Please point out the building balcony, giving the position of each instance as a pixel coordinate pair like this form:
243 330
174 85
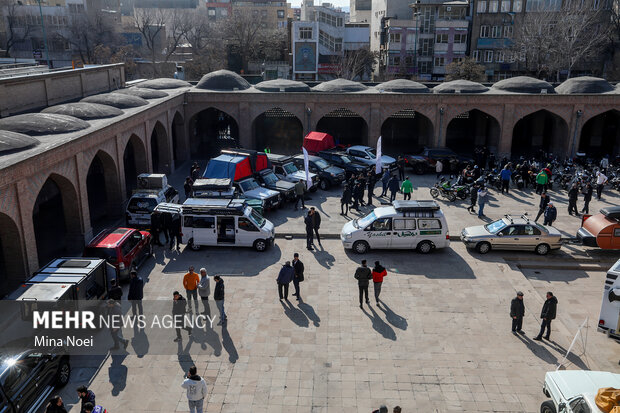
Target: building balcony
487 43
452 23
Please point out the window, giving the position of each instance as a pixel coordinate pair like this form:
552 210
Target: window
394 37
441 38
460 38
409 60
401 224
246 225
263 14
476 55
396 61
129 245
531 230
224 12
507 32
496 31
429 224
305 32
333 44
457 59
204 222
280 14
512 57
493 6
499 56
488 56
517 6
381 224
211 11
616 232
505 8
484 31
482 6
425 67
440 61
410 38
330 19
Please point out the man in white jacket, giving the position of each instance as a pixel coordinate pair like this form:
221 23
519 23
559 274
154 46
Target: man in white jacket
196 388
204 290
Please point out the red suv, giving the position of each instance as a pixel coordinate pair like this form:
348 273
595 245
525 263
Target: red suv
125 248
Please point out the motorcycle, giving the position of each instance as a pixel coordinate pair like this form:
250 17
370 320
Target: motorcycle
443 188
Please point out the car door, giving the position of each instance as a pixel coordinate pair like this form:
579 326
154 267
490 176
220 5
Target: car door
404 233
20 381
246 231
204 229
508 238
379 233
529 237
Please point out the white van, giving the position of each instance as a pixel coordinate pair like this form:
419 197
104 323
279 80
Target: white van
221 222
404 225
609 319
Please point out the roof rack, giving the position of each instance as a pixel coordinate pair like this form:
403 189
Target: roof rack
416 206
509 218
526 218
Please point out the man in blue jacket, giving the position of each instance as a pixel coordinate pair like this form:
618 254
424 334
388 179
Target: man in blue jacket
505 176
287 272
136 293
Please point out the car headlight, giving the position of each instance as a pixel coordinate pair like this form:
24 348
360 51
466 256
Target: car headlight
348 236
332 174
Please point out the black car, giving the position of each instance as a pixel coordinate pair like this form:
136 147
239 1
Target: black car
269 180
426 160
28 379
328 174
344 161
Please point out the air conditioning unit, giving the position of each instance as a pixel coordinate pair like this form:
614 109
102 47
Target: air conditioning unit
152 181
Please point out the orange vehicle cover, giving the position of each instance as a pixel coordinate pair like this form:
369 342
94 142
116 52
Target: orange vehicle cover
603 229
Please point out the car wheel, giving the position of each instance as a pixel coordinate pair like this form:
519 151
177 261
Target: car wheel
63 374
547 407
483 247
542 249
451 197
434 192
425 247
260 245
419 169
361 247
324 184
193 246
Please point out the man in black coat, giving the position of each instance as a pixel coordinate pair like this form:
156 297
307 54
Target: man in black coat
298 266
156 224
363 275
174 232
517 312
316 223
309 231
371 186
116 292
542 205
573 194
136 293
547 314
178 313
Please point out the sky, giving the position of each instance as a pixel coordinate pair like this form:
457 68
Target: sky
337 3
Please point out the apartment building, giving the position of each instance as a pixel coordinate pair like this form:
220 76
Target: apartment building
272 14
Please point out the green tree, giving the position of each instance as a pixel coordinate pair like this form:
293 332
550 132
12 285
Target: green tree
466 69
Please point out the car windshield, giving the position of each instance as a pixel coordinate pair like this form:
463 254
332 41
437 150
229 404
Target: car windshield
371 152
321 164
248 185
345 159
270 178
290 168
495 226
141 205
103 253
365 221
257 218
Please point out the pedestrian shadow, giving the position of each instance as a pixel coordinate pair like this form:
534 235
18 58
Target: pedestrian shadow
183 357
308 310
117 374
538 350
379 325
228 345
296 315
140 342
393 318
324 258
571 358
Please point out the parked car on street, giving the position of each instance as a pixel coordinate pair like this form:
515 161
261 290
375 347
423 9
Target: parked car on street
426 160
146 198
510 233
575 391
343 160
329 175
368 156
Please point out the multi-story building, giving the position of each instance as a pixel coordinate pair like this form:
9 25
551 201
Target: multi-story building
218 10
360 11
272 14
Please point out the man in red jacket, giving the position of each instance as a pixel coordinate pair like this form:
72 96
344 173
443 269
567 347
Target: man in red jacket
377 277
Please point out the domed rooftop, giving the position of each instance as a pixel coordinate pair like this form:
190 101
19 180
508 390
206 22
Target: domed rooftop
42 124
84 111
223 80
585 84
339 86
164 83
12 141
118 100
523 84
142 92
282 85
460 86
402 86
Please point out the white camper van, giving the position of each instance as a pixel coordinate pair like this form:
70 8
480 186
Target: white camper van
609 320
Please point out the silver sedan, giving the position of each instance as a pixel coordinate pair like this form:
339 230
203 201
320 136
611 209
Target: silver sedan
508 234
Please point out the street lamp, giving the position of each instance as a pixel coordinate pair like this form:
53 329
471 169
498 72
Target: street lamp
416 15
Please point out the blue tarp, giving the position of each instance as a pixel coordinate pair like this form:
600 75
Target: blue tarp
228 166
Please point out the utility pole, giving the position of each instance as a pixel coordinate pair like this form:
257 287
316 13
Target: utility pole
47 54
416 15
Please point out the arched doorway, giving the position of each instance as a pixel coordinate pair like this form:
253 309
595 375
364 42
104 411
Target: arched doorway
178 138
540 132
56 220
279 130
346 126
211 131
473 129
134 161
12 270
406 131
160 150
103 190
600 135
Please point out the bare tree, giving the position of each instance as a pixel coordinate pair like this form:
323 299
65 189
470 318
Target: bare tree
533 43
466 69
355 64
16 29
86 31
245 35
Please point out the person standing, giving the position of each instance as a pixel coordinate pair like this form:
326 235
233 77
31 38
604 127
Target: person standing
547 314
298 266
115 313
136 293
174 232
483 196
156 225
401 167
505 176
541 181
362 181
179 307
573 194
394 187
473 197
371 186
316 224
85 396
358 194
439 168
218 297
345 199
551 213
601 180
517 312
187 187
204 290
286 275
196 388
542 205
587 197
407 188
55 405
377 278
300 189
190 283
604 164
363 275
385 178
116 292
309 231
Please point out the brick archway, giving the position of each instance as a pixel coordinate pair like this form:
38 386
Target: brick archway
471 129
161 158
134 162
279 130
103 188
540 131
210 130
406 131
346 126
600 134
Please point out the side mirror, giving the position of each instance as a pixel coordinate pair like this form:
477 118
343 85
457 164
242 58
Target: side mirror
367 156
499 234
562 407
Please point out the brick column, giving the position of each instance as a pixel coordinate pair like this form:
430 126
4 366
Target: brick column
505 139
26 201
81 170
246 139
574 130
374 125
120 162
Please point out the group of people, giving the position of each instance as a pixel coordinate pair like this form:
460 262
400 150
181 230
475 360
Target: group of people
170 226
87 403
354 189
363 275
547 314
290 272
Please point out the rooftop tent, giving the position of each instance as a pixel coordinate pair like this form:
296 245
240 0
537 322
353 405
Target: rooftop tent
229 166
318 141
258 160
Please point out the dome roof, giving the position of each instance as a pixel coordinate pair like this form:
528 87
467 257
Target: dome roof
12 141
339 86
523 84
164 83
223 80
84 111
460 86
42 124
142 92
282 85
585 84
402 86
118 100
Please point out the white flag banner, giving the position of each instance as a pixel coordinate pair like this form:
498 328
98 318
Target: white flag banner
306 168
378 160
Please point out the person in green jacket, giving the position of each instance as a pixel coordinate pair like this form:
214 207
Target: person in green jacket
541 182
407 188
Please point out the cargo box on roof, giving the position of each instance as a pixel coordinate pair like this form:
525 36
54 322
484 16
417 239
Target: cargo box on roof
233 167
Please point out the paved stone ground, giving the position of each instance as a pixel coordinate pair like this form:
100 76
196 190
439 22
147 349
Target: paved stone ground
439 341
